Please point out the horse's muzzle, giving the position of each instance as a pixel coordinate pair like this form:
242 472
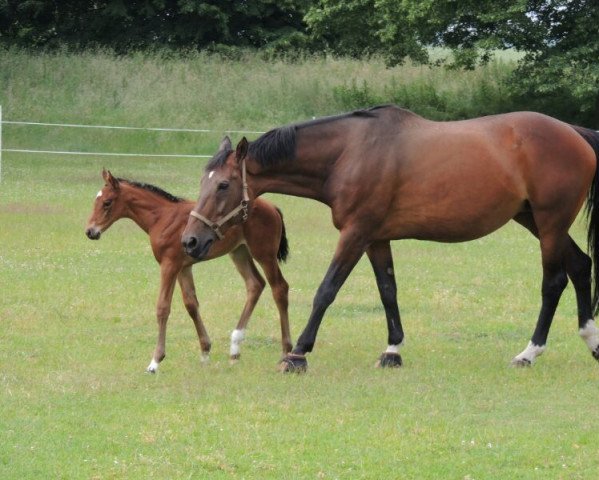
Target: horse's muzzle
195 246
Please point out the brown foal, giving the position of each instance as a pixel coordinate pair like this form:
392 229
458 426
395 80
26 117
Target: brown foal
164 217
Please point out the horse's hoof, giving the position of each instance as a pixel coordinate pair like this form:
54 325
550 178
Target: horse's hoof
150 370
521 362
389 360
595 354
293 363
204 359
234 359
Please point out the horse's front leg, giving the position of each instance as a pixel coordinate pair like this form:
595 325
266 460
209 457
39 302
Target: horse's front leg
349 250
168 275
379 254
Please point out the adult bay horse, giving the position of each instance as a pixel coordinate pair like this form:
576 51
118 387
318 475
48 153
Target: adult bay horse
163 217
387 173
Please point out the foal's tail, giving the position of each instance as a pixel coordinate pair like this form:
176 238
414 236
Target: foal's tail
592 212
283 244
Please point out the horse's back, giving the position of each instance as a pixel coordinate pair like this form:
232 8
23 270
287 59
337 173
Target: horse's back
460 180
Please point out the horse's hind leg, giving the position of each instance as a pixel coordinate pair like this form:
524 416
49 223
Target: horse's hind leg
192 306
579 266
379 254
254 285
555 248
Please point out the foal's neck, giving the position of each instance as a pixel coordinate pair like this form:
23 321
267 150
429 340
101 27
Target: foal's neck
144 207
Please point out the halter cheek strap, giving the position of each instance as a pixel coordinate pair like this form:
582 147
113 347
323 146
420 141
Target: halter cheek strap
242 207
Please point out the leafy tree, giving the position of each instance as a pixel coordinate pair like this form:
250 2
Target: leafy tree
559 71
141 24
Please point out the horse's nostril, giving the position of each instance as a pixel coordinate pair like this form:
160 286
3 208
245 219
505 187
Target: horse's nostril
190 243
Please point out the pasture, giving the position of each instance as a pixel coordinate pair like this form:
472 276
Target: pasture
77 324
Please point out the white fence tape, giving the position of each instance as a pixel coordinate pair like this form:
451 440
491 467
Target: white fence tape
113 127
110 127
108 154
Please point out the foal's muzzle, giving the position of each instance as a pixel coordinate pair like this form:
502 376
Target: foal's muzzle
93 233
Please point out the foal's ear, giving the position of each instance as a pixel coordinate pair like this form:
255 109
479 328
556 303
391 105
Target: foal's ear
242 149
109 179
225 145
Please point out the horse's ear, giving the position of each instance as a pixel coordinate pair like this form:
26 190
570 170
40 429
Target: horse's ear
225 145
110 180
242 149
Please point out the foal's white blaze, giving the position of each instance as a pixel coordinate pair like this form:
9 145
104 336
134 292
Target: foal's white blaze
99 194
153 366
237 337
590 334
529 354
210 174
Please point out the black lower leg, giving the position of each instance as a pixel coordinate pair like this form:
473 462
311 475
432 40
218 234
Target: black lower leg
553 286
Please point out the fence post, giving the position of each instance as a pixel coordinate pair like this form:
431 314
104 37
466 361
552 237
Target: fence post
0 143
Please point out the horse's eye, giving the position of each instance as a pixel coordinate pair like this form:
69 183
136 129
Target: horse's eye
107 203
223 185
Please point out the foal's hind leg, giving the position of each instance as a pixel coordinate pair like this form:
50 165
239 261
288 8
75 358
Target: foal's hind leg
192 306
254 285
381 260
280 293
555 249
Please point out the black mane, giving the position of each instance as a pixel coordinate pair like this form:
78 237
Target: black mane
278 145
153 189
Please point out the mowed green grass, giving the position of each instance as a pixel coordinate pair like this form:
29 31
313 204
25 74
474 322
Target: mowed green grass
77 329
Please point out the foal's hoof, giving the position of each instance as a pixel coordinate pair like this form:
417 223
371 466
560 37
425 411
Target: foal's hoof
389 360
150 370
293 363
520 362
234 359
595 354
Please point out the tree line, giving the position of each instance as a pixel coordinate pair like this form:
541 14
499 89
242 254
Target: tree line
559 39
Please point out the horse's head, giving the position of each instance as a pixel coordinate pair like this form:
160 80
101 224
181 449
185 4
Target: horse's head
223 200
107 207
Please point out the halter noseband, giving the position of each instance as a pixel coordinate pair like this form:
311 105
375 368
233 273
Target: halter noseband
242 207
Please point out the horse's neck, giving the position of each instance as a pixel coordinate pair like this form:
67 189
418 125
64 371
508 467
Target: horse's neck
144 208
305 175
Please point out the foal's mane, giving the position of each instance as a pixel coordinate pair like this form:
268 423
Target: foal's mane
153 189
278 145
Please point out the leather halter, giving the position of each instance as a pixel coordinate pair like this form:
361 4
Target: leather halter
242 207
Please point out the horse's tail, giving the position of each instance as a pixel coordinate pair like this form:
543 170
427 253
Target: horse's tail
283 244
592 213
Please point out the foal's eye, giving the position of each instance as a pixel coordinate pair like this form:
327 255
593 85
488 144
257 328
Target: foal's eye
107 203
223 185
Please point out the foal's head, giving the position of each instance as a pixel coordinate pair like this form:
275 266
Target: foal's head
107 207
223 200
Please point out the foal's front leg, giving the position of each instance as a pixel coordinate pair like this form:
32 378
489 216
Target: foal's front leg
168 275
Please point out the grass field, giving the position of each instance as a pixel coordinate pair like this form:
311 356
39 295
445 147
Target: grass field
77 325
